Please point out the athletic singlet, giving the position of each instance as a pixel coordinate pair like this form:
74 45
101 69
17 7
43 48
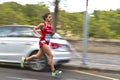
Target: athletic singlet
46 32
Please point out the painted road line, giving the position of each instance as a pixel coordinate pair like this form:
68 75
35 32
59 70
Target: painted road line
18 78
101 76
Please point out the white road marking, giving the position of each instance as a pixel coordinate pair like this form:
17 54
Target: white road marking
18 78
96 75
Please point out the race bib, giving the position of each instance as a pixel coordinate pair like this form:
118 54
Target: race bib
48 37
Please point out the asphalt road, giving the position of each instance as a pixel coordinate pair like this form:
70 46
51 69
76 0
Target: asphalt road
16 73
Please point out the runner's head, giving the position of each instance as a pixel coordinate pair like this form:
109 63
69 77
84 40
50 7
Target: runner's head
47 17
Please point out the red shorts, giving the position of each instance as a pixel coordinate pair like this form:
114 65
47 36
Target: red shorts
41 42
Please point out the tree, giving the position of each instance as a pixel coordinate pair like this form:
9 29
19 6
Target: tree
34 12
10 14
102 25
56 10
70 23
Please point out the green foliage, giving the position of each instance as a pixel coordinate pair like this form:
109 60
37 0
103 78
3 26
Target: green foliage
102 24
9 15
34 12
14 13
105 24
71 23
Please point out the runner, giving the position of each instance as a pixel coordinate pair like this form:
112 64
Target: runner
46 31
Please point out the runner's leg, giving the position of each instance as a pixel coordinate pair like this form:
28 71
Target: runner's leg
46 49
34 56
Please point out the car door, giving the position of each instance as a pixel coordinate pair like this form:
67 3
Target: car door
16 44
4 42
22 41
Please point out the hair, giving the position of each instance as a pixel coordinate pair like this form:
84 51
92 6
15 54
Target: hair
45 15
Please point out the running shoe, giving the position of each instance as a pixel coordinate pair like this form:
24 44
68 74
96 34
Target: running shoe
56 73
22 62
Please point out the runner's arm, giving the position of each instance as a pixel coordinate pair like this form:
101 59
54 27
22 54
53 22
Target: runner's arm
39 26
53 32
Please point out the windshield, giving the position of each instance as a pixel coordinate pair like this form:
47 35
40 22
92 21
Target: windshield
56 36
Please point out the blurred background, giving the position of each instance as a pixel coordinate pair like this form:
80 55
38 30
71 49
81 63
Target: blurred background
87 31
104 17
103 20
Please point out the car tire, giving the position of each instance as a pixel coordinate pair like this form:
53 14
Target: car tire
38 64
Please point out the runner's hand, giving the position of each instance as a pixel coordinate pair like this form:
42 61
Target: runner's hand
39 36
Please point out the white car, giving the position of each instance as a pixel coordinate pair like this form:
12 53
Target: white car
19 40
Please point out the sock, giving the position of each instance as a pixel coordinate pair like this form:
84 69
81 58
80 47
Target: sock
53 70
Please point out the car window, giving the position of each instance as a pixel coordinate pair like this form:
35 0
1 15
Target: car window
23 28
21 32
5 31
24 32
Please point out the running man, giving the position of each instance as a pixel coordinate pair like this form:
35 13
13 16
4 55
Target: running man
46 30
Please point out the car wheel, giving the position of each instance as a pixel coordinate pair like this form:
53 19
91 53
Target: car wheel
39 64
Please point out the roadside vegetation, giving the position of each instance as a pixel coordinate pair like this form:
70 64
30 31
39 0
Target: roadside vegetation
102 24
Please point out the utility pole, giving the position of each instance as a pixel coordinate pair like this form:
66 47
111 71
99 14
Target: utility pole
56 10
85 35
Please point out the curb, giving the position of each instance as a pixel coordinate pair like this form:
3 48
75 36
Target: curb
95 66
